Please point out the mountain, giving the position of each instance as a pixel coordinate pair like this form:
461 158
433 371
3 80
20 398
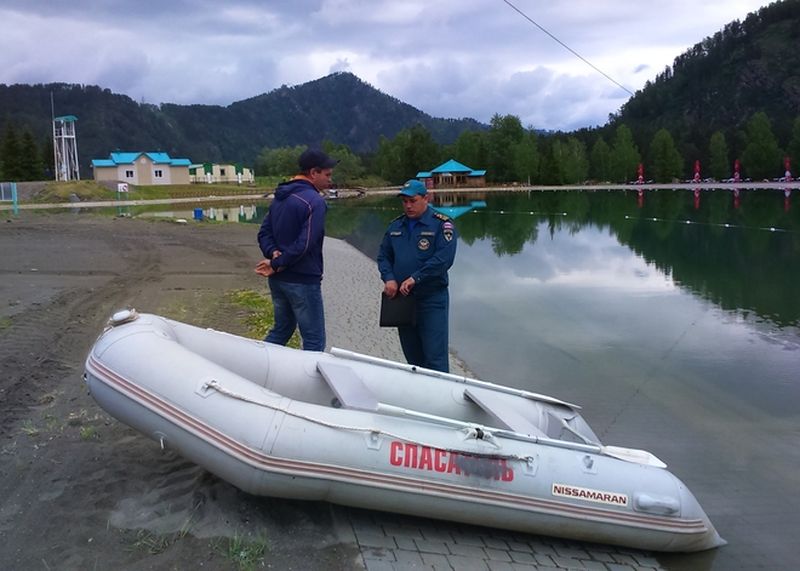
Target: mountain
339 107
718 84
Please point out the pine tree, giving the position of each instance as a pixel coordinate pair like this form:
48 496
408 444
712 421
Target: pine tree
48 158
576 164
625 157
387 161
418 151
665 161
719 165
11 155
761 158
349 168
505 132
30 163
600 160
280 162
794 148
470 149
526 159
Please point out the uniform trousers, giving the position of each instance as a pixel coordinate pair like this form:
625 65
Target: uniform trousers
426 344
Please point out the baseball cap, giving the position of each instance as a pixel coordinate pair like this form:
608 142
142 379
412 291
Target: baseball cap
413 187
314 159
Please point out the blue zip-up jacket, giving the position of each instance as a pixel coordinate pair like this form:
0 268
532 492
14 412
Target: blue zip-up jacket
295 225
424 250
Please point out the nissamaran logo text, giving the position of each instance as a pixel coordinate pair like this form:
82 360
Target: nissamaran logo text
599 496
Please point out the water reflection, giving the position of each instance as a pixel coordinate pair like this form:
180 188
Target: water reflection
735 248
237 213
457 210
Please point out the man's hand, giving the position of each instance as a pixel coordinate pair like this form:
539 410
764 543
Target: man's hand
264 268
407 286
390 288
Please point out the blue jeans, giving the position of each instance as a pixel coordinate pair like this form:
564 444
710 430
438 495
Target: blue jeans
297 305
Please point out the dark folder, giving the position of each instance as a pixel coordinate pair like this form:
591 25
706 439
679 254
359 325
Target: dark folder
398 310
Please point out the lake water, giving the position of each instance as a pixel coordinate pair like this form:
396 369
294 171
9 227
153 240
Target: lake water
672 317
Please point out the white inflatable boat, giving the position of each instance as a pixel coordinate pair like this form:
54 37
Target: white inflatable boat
366 432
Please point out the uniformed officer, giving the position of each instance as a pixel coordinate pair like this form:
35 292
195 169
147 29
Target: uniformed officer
417 250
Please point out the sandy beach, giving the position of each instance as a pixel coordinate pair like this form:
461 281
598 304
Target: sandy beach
79 490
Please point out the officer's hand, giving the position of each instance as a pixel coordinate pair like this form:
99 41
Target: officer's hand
390 288
406 286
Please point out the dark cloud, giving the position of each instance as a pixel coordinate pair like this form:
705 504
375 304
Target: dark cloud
466 58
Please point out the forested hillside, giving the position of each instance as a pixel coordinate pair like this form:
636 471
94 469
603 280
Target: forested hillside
340 108
721 82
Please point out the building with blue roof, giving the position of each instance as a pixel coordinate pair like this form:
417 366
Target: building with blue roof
142 168
452 174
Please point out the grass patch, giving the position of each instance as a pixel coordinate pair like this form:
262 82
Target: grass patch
205 308
245 554
89 433
154 543
52 424
90 190
142 192
48 398
5 323
260 314
77 418
87 425
29 428
269 182
48 424
83 189
244 312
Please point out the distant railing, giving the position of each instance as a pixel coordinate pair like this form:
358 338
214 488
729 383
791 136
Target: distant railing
8 193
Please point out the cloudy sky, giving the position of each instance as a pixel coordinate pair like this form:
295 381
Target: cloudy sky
449 58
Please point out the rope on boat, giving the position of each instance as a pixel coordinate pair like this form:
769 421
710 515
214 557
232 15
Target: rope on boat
475 432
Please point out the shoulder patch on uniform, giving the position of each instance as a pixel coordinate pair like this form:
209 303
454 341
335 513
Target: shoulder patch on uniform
448 230
441 216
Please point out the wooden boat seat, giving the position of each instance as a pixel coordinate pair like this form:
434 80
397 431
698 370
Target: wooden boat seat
498 407
347 386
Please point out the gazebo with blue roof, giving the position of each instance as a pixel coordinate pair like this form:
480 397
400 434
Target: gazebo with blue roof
452 174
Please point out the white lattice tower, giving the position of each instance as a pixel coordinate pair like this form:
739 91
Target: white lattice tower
65 148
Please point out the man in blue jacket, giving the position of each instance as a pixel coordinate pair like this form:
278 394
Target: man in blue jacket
291 240
417 250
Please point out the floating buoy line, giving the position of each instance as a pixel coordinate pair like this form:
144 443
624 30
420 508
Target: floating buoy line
719 225
476 211
627 217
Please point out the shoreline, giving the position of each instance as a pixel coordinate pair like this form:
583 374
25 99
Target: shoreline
391 191
351 288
